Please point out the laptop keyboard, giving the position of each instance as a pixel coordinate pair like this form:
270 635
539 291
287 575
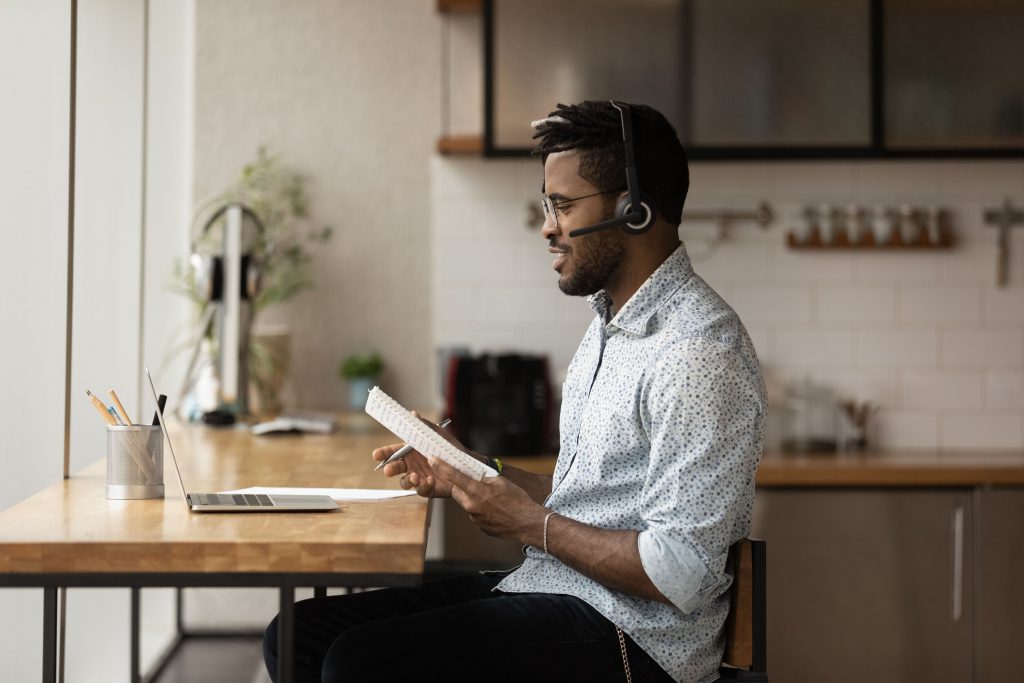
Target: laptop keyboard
240 499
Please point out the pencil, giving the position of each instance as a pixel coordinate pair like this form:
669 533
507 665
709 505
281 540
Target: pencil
120 408
100 408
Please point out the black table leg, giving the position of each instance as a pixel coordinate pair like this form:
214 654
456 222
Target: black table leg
135 676
286 636
50 634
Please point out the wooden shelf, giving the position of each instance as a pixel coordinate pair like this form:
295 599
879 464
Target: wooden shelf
460 144
843 244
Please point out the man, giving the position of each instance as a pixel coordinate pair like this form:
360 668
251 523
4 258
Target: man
661 431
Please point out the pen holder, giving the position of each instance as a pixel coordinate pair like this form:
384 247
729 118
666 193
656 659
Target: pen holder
135 462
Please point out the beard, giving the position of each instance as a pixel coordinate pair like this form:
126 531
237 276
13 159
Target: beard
594 260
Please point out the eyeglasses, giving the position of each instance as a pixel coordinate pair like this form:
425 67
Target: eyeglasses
552 208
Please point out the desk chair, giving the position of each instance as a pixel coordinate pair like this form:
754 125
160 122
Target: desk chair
744 658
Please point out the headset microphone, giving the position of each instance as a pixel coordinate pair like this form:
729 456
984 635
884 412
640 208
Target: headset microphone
631 220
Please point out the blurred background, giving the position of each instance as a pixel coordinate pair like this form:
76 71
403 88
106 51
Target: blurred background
857 185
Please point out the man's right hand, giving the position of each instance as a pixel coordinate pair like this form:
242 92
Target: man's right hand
415 472
414 469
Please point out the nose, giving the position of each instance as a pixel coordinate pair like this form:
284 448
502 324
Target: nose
550 227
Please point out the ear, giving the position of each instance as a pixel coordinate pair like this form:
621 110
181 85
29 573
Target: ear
623 208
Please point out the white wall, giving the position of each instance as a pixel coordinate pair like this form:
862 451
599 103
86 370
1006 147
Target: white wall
33 248
108 275
348 93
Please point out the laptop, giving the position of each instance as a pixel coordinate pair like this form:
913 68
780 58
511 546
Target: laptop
238 502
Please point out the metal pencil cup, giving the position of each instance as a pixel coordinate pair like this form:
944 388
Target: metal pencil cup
135 462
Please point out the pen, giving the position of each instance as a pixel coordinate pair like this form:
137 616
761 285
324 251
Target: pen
120 408
160 402
117 418
404 450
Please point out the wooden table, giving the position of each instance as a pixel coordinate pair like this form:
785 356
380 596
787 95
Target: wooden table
69 535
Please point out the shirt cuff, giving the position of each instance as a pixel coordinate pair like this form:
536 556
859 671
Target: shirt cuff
674 569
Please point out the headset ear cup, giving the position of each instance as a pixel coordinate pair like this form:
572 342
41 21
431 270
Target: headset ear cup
623 208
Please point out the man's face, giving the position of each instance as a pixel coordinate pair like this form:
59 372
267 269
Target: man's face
584 263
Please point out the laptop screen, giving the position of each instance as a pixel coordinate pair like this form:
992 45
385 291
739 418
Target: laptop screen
167 434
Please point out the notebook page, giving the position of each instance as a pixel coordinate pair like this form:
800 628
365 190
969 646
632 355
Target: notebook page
410 429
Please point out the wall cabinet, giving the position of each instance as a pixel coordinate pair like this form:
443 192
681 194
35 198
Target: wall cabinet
779 80
892 585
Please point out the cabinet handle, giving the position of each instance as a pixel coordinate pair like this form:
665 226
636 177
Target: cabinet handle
958 562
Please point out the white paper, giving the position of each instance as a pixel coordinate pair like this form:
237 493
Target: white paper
336 494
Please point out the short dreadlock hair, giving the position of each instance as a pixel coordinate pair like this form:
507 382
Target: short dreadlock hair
594 128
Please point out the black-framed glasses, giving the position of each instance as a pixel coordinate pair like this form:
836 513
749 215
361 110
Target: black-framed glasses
553 208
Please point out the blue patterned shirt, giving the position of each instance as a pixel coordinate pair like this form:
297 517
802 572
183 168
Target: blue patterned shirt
661 431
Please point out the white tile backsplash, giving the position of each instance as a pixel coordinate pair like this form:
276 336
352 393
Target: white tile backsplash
810 182
983 347
788 265
970 180
926 336
801 347
895 348
1004 306
855 305
890 268
896 182
907 429
1005 390
941 391
982 431
771 304
940 304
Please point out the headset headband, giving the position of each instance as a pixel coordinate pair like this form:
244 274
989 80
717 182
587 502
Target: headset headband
636 211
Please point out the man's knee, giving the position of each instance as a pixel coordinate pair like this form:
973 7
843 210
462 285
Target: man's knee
360 653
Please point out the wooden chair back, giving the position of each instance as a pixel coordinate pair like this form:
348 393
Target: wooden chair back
745 626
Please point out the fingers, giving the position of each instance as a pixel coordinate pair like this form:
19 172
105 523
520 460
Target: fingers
424 484
460 497
385 452
453 475
393 469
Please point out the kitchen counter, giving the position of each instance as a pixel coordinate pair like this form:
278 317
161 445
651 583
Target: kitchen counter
926 468
894 468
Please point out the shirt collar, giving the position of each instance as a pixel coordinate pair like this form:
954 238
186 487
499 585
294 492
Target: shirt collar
636 314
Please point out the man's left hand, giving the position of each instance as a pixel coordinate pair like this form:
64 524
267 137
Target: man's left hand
496 505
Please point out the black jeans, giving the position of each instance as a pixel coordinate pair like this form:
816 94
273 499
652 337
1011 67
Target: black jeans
456 630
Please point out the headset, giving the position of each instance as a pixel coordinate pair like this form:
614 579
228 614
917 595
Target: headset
209 268
633 221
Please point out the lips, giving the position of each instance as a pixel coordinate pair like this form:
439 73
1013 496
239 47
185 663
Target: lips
563 256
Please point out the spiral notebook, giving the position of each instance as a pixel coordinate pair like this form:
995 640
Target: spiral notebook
410 429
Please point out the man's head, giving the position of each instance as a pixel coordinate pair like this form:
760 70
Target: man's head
584 159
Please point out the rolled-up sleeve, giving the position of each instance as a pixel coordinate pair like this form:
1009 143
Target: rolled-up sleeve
703 412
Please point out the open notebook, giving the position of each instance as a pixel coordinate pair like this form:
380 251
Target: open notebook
411 429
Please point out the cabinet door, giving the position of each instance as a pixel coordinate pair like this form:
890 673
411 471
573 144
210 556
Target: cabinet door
1000 596
786 73
953 75
868 585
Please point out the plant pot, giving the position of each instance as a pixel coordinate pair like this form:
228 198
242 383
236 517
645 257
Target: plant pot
358 390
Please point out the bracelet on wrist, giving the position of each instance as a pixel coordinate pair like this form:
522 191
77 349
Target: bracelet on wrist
494 463
546 518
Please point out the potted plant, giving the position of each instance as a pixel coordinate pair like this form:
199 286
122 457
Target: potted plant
283 252
361 373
